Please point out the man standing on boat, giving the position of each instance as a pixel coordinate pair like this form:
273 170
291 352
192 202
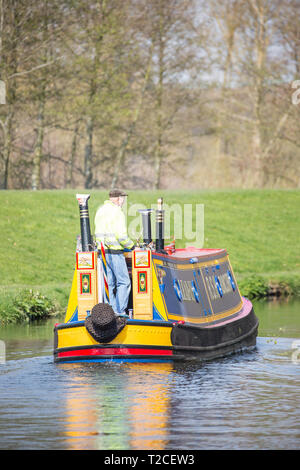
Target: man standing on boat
110 229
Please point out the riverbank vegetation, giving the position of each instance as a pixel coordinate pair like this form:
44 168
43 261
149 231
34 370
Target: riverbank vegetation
259 228
27 306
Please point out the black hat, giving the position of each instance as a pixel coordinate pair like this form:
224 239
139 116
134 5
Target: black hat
117 193
103 325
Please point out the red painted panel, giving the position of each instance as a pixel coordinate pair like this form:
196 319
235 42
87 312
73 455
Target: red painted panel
116 352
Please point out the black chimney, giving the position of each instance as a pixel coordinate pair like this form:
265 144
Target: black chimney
160 243
86 238
146 219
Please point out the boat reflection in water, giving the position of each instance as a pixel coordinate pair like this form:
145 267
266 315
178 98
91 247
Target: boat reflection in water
149 411
117 407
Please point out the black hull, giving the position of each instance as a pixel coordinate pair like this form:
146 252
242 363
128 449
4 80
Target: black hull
205 343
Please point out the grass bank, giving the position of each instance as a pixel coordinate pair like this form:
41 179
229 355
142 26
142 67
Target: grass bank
259 228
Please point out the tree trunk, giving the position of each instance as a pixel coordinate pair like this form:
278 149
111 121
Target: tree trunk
38 149
1 27
11 92
122 150
72 156
7 133
120 156
258 92
88 170
222 140
158 152
90 120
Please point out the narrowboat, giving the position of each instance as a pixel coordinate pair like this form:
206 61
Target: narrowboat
185 303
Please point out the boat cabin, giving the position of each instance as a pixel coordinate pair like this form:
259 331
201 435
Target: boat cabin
170 284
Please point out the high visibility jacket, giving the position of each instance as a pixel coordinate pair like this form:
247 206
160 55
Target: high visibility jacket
110 228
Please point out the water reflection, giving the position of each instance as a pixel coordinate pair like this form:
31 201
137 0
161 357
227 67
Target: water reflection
279 318
150 405
245 401
80 413
117 406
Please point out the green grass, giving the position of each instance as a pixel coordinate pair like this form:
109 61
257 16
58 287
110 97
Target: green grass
259 228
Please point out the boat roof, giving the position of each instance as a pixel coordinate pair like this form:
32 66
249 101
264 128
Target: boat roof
192 251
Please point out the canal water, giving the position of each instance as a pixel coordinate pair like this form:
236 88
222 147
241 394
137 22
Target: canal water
245 401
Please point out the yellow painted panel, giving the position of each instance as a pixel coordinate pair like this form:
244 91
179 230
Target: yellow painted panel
86 301
131 334
73 299
158 300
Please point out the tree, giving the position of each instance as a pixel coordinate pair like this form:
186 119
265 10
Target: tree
10 21
167 30
98 47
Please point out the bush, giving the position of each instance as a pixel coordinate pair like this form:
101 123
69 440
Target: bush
29 306
254 287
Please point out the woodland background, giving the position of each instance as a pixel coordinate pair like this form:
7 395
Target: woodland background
149 94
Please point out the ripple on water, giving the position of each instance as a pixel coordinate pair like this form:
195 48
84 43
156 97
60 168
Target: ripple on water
246 401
